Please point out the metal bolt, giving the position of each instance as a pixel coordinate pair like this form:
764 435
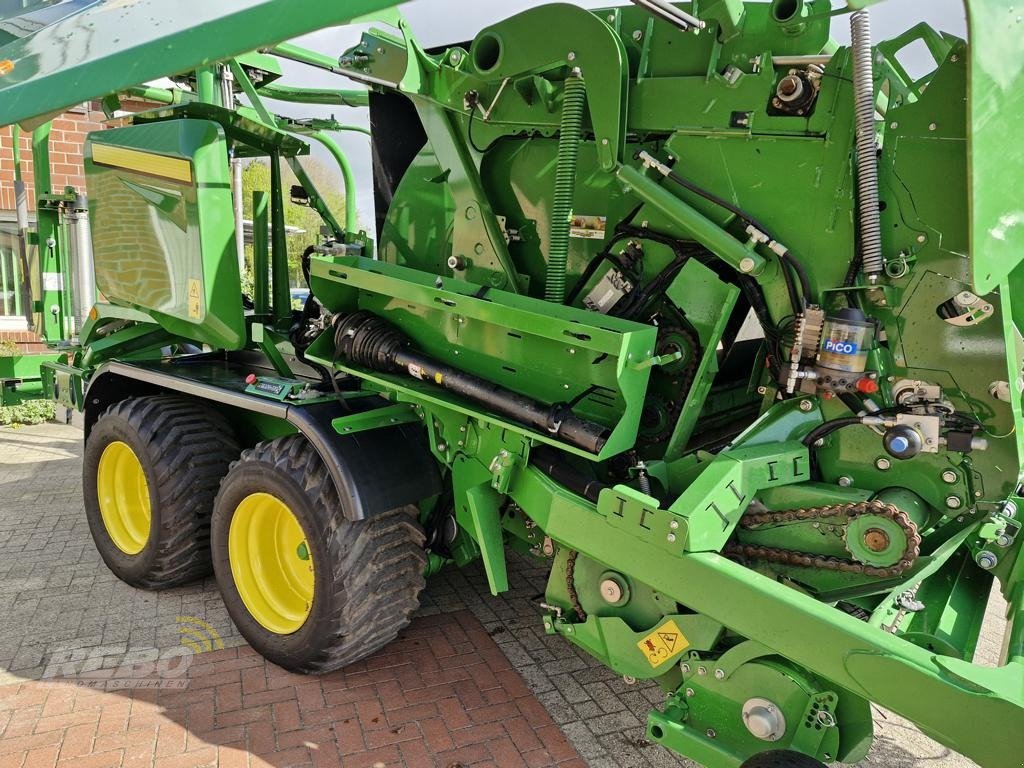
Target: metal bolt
702 671
442 447
719 674
674 525
882 464
571 56
845 481
932 126
572 351
953 502
611 591
628 680
638 35
456 57
762 390
547 624
747 265
987 560
977 494
1009 509
894 125
685 668
568 630
671 537
690 693
949 476
806 406
1004 541
922 239
462 428
711 733
954 58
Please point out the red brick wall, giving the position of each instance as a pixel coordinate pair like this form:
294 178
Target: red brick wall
66 139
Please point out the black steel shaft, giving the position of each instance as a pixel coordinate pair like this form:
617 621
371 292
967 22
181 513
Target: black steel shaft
371 341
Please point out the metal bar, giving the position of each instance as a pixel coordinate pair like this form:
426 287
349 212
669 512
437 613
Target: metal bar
296 94
206 85
348 178
699 227
3 283
260 253
41 158
280 285
302 55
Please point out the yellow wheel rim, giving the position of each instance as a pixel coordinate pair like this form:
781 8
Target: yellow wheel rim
123 497
271 563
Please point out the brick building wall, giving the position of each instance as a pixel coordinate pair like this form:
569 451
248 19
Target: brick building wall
67 137
66 140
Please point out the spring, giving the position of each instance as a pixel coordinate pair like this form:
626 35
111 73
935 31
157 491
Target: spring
867 148
565 185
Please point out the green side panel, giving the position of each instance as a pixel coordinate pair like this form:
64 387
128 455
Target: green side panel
162 227
122 44
996 104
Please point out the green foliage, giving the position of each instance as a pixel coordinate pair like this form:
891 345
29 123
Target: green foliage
256 177
28 412
9 349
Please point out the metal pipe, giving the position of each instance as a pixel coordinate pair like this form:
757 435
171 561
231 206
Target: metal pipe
83 272
820 59
206 86
281 289
157 95
671 14
348 178
227 80
302 55
260 253
344 98
372 342
692 222
866 147
21 213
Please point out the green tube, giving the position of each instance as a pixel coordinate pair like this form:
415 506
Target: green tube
692 222
41 158
347 98
16 143
158 95
260 253
346 174
302 55
207 86
565 185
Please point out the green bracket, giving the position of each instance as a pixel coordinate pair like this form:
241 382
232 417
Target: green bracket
389 416
267 341
485 525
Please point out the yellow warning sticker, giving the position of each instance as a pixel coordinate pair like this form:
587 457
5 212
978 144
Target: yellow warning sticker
195 301
663 643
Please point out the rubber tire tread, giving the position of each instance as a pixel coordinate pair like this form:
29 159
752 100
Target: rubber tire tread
371 588
185 448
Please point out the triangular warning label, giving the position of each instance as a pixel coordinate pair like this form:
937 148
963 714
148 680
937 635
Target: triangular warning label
669 639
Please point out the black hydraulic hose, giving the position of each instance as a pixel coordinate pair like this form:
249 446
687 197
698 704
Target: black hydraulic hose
372 342
826 429
788 259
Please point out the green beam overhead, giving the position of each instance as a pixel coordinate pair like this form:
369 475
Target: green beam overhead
132 44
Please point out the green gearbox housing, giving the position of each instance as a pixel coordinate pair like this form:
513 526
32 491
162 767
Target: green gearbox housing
715 318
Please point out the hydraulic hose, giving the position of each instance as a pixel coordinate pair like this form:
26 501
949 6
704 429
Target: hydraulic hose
565 185
372 342
866 147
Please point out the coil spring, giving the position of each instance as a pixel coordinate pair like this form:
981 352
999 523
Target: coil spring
565 186
867 148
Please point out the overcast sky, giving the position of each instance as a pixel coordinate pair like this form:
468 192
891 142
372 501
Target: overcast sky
440 22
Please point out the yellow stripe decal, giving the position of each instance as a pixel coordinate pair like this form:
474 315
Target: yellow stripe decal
143 162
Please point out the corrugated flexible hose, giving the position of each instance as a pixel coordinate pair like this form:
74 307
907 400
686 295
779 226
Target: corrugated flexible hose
867 147
565 186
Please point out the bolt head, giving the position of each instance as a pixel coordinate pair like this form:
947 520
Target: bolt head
747 265
671 537
571 56
442 447
719 674
1004 541
456 57
949 476
611 591
806 406
685 668
702 671
690 693
638 35
987 560
674 525
711 733
845 481
883 464
953 502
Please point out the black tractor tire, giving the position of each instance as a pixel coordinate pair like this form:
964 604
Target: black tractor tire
782 758
184 449
367 574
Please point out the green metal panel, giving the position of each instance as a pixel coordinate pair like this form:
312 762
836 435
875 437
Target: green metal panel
162 224
131 44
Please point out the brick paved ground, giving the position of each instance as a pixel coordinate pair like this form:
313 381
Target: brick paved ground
57 599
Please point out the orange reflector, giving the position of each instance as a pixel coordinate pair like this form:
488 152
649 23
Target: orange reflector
6 66
93 314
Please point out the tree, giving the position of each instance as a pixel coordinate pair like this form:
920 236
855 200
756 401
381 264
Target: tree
256 178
